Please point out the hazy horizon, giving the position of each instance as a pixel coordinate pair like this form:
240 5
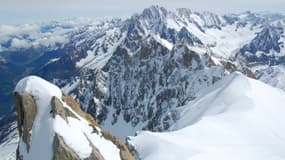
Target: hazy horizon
28 11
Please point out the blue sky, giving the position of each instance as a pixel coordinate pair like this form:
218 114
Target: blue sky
20 11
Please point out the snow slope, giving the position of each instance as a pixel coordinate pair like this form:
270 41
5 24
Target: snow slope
238 119
76 132
9 144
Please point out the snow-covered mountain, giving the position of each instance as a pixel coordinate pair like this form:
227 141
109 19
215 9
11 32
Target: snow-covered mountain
163 60
237 118
53 126
138 73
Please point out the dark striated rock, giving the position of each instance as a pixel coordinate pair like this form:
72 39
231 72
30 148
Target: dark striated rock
268 40
58 109
229 67
147 86
232 68
61 151
75 106
248 73
26 111
95 154
124 150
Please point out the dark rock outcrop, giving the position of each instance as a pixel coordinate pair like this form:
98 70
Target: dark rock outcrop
61 151
124 151
26 110
58 109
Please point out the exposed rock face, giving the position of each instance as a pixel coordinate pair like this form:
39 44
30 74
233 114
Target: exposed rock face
268 38
61 151
145 88
67 109
58 109
75 106
26 110
124 151
266 48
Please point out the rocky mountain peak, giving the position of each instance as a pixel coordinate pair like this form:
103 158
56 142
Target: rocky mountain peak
131 74
53 126
154 12
184 12
266 46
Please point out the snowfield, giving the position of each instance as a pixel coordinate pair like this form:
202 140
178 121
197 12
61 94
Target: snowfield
236 119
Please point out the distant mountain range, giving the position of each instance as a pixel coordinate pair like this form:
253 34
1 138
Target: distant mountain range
138 73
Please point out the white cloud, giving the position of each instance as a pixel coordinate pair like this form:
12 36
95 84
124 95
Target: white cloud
19 43
51 41
30 35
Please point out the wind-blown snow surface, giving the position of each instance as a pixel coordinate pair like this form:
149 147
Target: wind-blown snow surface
237 119
76 132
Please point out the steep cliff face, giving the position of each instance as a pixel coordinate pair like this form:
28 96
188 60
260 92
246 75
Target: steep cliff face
266 47
145 88
53 126
161 62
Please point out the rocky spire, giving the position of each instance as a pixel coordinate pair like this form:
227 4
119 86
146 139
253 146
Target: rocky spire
35 104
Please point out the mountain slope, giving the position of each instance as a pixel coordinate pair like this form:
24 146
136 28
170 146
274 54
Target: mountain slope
52 126
9 141
143 89
137 74
274 76
61 51
163 61
237 118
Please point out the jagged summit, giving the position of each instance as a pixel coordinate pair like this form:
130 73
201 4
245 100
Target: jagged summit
53 126
266 47
136 73
154 12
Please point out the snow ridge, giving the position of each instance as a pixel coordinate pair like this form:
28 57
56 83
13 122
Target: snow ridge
233 119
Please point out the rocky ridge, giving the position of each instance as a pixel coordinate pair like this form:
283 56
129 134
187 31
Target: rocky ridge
32 116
